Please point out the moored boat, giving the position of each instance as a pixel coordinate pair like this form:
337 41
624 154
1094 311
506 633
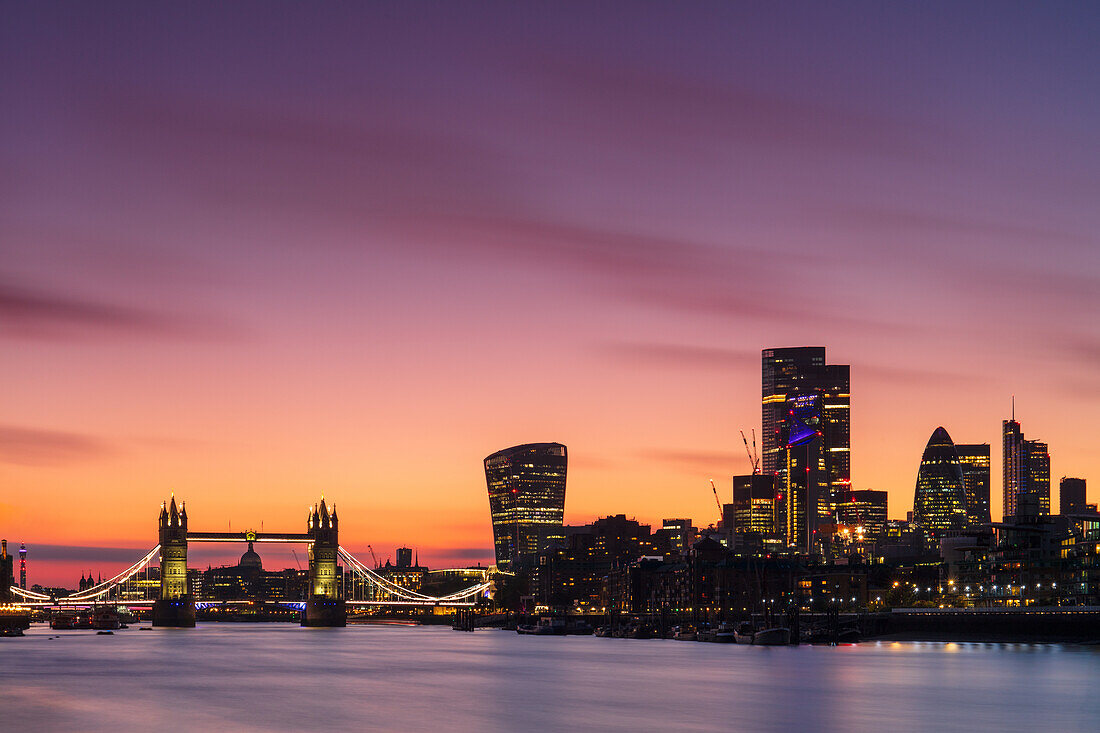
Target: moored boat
14 618
848 636
578 627
775 636
684 633
65 620
725 634
105 618
743 633
545 627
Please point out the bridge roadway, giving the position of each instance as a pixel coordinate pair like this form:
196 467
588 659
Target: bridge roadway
60 603
249 537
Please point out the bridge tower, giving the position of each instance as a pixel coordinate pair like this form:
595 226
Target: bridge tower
176 607
324 607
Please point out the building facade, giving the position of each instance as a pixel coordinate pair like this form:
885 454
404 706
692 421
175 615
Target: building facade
806 437
1038 474
526 486
865 512
1026 474
1071 496
974 462
939 502
753 517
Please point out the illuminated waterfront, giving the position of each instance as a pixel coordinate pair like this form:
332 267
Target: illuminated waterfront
280 677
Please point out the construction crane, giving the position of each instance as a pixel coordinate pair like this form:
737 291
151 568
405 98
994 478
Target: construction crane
754 458
296 560
376 564
716 499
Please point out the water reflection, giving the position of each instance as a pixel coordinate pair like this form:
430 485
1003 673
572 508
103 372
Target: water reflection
283 678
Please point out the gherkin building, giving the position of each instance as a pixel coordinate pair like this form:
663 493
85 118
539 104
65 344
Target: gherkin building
940 501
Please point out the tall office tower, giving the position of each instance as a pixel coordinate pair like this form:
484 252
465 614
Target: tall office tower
754 507
526 499
23 565
799 379
7 579
974 461
803 478
1026 477
939 503
865 509
1071 496
1038 473
404 557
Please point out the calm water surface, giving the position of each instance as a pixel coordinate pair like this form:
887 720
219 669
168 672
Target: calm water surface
278 677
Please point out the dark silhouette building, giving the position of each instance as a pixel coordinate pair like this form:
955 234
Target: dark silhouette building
526 486
974 462
939 503
573 575
806 424
248 580
1071 496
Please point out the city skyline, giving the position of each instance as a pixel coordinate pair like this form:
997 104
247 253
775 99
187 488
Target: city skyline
249 263
58 561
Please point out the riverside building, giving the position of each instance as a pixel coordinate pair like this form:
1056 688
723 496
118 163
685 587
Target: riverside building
526 486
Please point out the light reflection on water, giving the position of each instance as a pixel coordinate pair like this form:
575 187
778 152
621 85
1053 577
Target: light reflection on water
279 677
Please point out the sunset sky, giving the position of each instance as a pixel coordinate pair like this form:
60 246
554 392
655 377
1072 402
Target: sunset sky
255 252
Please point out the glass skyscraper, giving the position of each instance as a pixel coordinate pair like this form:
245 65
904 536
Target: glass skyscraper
939 503
974 461
809 452
1026 479
526 499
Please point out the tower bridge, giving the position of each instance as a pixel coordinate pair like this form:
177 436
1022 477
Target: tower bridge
326 600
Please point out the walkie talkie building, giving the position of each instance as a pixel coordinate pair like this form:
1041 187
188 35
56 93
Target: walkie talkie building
526 499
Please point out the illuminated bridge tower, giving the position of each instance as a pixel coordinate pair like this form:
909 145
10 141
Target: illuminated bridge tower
175 607
324 607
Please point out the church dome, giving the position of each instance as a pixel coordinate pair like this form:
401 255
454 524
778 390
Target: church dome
251 559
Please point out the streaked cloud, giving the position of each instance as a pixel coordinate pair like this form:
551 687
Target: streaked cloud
721 464
35 314
38 447
682 356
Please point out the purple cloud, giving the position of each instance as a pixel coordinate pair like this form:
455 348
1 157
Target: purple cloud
36 447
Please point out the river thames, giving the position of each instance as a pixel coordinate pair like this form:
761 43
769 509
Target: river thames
279 677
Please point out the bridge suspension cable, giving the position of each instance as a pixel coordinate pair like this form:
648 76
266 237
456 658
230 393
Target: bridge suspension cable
405 594
101 589
29 595
398 595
